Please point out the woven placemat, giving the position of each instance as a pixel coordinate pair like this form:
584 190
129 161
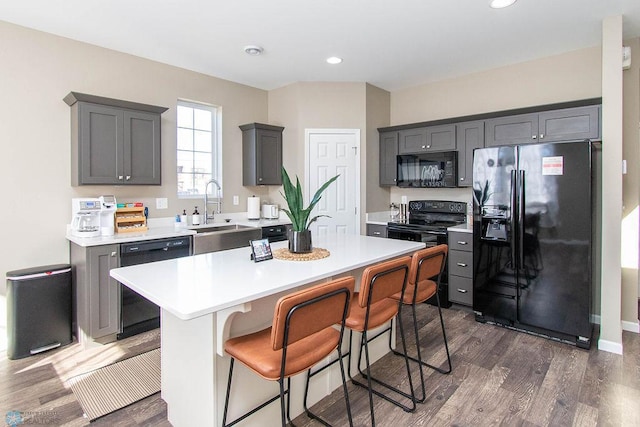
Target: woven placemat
316 253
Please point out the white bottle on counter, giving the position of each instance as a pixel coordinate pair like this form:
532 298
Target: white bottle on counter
195 218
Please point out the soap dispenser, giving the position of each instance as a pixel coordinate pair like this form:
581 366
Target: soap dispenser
195 218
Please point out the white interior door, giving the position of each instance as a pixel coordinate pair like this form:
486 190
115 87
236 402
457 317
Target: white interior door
333 152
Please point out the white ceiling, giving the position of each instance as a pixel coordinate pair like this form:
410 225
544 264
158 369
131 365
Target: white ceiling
391 44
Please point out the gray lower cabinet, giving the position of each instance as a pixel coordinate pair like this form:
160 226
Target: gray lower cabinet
469 136
261 154
114 141
461 267
430 138
376 230
96 293
388 162
565 124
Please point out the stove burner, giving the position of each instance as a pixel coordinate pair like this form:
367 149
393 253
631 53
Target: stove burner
434 215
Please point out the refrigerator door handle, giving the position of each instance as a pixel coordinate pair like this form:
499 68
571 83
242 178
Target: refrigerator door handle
512 217
520 224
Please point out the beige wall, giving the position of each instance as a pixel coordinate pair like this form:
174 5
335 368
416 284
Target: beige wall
37 71
301 106
376 198
571 76
631 184
612 115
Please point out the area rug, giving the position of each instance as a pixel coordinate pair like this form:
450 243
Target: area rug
115 386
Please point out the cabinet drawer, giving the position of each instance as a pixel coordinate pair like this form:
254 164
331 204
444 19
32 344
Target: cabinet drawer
460 241
461 263
376 230
461 290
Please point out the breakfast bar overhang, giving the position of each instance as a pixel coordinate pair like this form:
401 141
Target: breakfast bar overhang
200 295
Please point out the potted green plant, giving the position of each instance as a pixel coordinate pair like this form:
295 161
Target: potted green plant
300 235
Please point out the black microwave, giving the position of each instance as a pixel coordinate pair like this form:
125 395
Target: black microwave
428 170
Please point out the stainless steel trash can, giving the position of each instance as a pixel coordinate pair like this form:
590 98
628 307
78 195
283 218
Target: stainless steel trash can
38 309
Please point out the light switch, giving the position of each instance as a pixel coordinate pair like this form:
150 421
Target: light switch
162 203
236 200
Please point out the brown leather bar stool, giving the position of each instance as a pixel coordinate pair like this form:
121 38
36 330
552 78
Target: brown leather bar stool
301 335
372 307
426 270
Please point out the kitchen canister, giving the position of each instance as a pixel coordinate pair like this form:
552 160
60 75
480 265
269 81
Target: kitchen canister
253 207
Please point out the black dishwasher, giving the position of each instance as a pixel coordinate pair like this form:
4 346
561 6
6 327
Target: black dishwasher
137 314
275 233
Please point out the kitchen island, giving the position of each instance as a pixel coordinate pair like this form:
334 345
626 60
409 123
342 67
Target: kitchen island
201 297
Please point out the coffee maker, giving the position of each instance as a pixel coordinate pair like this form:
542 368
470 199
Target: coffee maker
85 221
108 207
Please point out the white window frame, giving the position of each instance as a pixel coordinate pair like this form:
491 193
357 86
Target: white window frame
216 143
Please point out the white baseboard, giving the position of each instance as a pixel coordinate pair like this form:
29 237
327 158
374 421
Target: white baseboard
609 346
631 326
626 325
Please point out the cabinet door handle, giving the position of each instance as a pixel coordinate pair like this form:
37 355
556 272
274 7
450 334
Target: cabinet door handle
541 135
120 177
462 291
461 242
461 179
376 233
461 264
534 136
113 253
428 146
128 177
424 146
259 179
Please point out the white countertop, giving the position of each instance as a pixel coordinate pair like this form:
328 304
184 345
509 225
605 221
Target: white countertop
197 285
379 218
463 228
160 228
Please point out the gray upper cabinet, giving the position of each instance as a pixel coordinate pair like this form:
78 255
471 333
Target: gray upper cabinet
469 136
113 141
388 153
512 130
261 154
555 125
570 124
431 138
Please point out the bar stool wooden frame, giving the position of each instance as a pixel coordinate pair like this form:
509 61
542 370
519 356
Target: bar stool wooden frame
302 321
426 265
379 308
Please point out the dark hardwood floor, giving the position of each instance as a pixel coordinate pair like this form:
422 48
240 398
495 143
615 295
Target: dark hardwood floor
500 377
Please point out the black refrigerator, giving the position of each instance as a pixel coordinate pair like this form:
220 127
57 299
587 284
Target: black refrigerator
533 238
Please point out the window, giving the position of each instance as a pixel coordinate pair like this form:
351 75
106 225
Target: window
198 148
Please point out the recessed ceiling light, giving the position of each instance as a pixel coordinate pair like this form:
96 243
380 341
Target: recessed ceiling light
499 4
253 50
334 60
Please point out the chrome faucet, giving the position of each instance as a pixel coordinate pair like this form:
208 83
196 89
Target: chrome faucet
208 202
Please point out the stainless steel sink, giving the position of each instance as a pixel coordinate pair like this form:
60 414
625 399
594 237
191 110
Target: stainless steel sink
216 228
223 237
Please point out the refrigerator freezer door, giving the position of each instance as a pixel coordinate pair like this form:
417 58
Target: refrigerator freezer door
555 263
495 278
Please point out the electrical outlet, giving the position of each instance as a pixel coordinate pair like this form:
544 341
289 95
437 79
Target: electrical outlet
162 203
236 200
